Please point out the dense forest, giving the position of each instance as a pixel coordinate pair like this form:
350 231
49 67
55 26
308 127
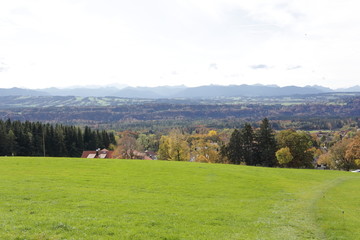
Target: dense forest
38 139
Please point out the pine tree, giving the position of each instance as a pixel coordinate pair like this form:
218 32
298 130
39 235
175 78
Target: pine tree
59 138
3 139
247 144
50 144
79 141
266 145
18 130
233 150
105 139
37 139
11 143
88 144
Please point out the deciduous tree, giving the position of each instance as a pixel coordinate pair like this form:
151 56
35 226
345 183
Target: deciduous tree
164 148
283 155
205 151
126 146
174 147
338 155
179 148
299 144
353 149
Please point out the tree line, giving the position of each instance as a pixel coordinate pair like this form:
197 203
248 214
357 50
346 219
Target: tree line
250 146
38 139
255 146
343 154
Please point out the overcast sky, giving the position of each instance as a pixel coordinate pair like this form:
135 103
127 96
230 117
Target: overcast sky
60 43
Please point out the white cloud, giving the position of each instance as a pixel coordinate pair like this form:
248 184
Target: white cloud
60 43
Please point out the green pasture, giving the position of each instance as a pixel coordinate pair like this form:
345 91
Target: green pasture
60 198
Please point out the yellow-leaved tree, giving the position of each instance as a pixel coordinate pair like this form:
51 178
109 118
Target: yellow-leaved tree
205 151
353 149
283 155
174 147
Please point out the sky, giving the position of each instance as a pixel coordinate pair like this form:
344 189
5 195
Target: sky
63 43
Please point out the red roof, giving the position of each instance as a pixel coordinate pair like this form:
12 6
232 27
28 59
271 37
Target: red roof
104 153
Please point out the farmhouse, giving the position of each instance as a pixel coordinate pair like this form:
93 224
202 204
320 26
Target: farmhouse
104 153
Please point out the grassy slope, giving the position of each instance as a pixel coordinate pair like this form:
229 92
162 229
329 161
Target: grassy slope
55 198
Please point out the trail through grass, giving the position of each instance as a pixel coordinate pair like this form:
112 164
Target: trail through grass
58 198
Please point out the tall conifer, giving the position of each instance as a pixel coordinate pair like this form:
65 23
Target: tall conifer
266 145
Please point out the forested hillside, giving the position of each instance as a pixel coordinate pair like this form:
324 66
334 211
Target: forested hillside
304 112
38 139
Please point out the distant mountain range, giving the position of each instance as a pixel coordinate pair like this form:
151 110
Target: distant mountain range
21 92
209 91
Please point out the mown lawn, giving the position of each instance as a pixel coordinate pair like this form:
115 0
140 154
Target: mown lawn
59 198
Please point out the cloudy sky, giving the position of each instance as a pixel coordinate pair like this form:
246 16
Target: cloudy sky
60 43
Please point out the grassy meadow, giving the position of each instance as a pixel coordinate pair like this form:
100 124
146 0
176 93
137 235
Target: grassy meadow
63 198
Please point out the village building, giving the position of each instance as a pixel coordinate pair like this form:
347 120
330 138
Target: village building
104 153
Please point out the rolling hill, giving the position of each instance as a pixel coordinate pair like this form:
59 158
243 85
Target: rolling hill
21 92
60 198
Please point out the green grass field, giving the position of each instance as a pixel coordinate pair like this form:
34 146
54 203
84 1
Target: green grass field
59 198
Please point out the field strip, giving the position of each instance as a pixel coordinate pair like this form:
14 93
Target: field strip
296 212
338 208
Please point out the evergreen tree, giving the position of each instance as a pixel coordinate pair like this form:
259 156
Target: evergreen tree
59 138
3 139
11 143
266 145
89 139
8 125
37 137
50 144
79 141
233 150
21 144
98 139
112 138
105 139
71 142
247 144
